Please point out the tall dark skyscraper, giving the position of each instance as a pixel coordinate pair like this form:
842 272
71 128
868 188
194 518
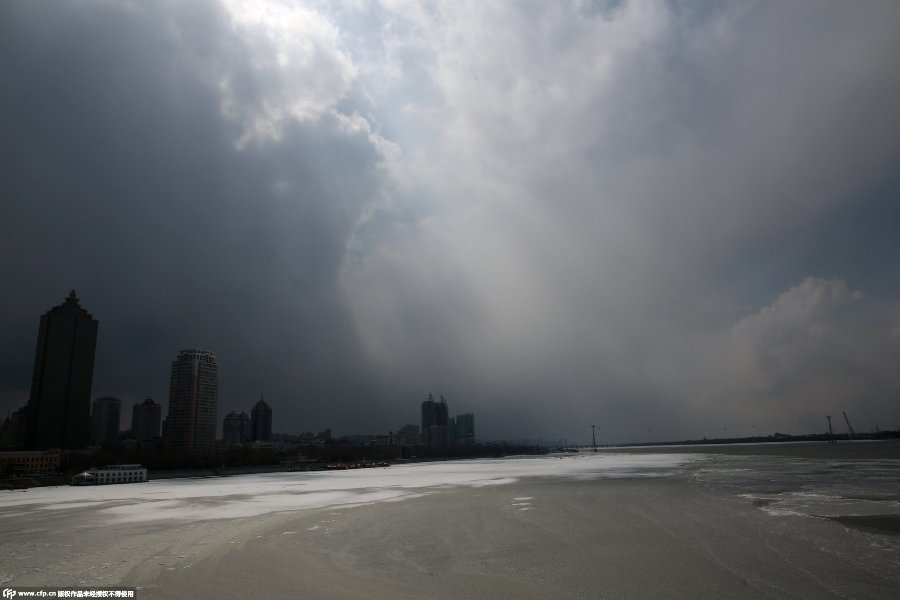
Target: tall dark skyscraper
59 408
261 421
193 402
434 423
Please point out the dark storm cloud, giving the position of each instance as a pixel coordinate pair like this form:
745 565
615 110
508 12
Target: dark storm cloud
122 179
663 219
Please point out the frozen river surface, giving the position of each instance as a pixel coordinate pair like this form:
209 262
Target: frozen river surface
614 525
253 495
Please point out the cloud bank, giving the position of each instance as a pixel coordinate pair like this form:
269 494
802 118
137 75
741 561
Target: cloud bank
663 219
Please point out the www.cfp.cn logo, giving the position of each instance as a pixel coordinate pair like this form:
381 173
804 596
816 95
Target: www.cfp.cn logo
9 593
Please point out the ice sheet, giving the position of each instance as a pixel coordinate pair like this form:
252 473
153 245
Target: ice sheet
251 495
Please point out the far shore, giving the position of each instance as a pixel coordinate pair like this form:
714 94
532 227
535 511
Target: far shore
844 449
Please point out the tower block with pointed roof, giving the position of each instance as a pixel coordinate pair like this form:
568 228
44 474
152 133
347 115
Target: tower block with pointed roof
261 421
59 408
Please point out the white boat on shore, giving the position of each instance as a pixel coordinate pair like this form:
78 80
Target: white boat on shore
111 474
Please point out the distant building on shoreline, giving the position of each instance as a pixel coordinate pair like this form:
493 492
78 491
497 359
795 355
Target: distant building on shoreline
408 435
145 420
193 403
21 463
236 428
59 407
105 416
12 431
261 421
435 423
465 430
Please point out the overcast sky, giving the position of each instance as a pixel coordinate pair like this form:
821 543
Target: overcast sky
666 219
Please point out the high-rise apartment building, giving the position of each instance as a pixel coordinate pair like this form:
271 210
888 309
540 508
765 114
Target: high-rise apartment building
193 402
145 420
261 421
434 423
59 408
105 415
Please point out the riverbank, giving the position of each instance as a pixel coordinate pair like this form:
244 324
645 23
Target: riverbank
846 449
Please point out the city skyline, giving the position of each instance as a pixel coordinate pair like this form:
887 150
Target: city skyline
68 332
106 414
666 219
250 431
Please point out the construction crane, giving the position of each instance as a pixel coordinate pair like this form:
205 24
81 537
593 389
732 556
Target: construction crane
849 426
594 437
831 439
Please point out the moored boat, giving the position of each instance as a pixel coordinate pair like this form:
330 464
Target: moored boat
111 474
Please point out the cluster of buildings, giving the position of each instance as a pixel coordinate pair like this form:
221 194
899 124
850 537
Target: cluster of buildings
146 418
240 429
60 416
439 431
